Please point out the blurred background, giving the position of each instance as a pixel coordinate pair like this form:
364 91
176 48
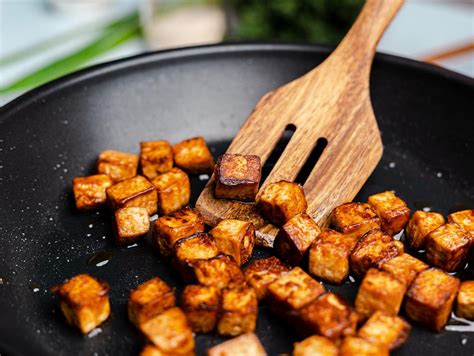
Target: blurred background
43 39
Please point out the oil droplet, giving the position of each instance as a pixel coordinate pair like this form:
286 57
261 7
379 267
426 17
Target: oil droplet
153 217
439 175
392 165
132 246
35 290
399 235
100 258
463 341
423 205
91 226
352 279
94 332
203 177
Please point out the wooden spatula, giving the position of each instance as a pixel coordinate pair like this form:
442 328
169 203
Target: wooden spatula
332 101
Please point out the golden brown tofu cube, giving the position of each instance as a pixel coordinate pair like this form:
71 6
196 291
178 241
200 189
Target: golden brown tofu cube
90 192
151 350
420 225
117 165
447 247
131 224
292 291
386 330
295 238
465 301
174 191
464 218
237 177
235 238
315 346
430 298
279 202
379 290
404 267
133 192
175 226
220 271
243 345
84 302
156 157
201 305
354 218
170 332
263 271
193 156
393 211
372 250
239 311
329 256
357 346
190 249
148 300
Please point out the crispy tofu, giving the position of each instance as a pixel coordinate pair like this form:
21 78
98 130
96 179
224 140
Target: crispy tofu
156 157
170 332
243 345
133 192
201 306
90 192
404 267
420 225
379 290
173 189
235 238
84 302
193 156
117 165
292 291
329 256
354 219
387 330
220 271
237 177
178 225
315 346
372 250
447 247
131 224
151 350
149 299
239 311
357 346
464 218
393 211
295 238
430 298
278 202
465 301
263 271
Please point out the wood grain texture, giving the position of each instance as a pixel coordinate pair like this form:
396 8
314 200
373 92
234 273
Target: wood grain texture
330 101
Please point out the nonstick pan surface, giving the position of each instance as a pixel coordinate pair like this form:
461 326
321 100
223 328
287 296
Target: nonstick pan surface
55 133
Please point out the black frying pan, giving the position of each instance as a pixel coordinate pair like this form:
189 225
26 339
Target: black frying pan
54 133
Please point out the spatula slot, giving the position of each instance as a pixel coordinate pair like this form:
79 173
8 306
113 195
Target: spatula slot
311 161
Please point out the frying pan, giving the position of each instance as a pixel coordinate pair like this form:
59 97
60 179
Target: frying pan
54 133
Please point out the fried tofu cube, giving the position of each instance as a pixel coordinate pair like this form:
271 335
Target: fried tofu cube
295 238
201 306
278 202
220 271
148 300
430 298
393 211
243 345
263 271
239 311
404 267
90 192
420 225
156 157
235 238
292 291
117 165
465 301
464 218
84 302
175 226
190 249
379 290
329 256
447 247
357 346
131 224
372 250
170 332
133 192
315 346
193 156
237 177
386 330
173 189
150 350
354 219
